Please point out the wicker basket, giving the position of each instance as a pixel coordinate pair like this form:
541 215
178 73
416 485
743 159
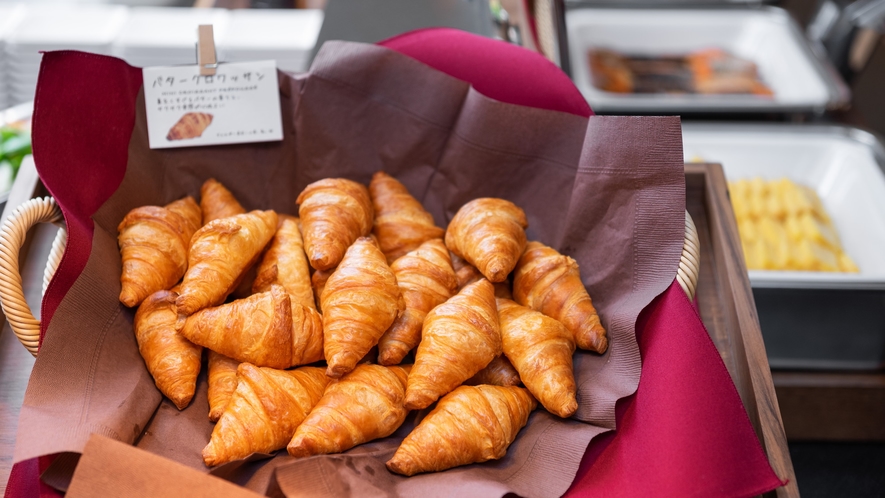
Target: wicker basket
45 210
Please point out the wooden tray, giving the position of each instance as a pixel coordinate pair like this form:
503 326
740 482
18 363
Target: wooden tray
723 294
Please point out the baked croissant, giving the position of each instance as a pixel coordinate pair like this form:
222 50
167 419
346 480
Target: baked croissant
154 248
363 405
549 282
426 279
218 202
488 233
464 271
334 212
222 383
264 411
499 372
360 301
219 254
469 425
401 223
172 360
284 263
191 125
318 282
460 338
541 349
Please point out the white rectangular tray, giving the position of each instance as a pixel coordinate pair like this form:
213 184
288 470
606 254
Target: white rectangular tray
843 165
801 80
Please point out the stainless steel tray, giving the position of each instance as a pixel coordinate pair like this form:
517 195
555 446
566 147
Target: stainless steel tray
802 79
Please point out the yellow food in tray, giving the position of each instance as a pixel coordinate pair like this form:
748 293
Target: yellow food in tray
784 226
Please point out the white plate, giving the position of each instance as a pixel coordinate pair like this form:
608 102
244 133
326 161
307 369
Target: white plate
843 165
767 36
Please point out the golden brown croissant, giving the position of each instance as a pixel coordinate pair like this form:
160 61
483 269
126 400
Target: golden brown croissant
222 383
264 411
401 223
360 301
191 125
490 234
154 248
499 372
364 405
469 425
318 282
466 273
172 360
219 254
284 263
217 202
334 212
549 282
541 349
426 279
460 338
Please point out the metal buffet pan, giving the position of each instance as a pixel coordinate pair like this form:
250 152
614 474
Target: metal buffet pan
800 76
815 320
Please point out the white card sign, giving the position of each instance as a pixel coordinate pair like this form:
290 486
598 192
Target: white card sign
240 103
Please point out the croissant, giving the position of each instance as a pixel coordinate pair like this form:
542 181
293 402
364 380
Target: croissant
334 212
363 405
318 282
490 234
469 425
222 383
401 223
541 349
360 301
549 282
426 279
464 271
264 411
172 360
219 254
191 125
460 337
218 202
284 263
154 248
499 372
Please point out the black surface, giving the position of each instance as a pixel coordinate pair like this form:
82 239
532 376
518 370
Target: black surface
371 21
839 469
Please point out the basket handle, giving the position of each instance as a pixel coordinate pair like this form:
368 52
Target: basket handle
12 237
690 262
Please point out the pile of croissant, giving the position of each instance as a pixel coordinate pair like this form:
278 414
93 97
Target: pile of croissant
359 269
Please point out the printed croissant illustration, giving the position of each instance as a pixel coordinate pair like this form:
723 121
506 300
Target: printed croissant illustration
471 424
191 125
173 361
154 245
222 383
549 282
259 329
363 405
460 337
426 280
489 234
401 222
264 411
360 301
220 253
218 202
334 212
541 349
499 372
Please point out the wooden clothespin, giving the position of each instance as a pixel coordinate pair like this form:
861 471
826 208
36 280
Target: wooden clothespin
206 57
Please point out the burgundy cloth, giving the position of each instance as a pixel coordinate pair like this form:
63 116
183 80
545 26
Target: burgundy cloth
496 69
683 432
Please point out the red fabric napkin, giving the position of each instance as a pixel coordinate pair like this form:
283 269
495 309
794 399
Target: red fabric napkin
684 432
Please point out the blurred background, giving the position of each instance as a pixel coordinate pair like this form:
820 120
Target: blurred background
789 96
